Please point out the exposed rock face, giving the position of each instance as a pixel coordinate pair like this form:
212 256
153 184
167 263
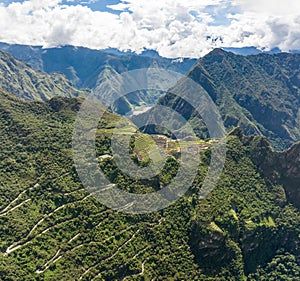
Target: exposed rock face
23 81
212 248
283 168
87 68
280 167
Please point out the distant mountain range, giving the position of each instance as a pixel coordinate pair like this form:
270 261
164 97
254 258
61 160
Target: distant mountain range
86 68
23 81
260 92
246 51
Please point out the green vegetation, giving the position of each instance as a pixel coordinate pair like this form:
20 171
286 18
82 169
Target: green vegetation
247 228
52 229
19 78
87 68
258 93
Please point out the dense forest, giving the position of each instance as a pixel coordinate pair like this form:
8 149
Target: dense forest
53 229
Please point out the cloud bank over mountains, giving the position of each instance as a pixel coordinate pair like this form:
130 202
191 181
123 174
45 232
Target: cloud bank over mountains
174 28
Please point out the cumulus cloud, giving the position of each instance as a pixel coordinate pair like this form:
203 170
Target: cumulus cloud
175 28
271 7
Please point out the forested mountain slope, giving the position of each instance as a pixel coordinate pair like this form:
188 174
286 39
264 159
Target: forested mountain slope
87 68
82 66
260 93
52 229
25 82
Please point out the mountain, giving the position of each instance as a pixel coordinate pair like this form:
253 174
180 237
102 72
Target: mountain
247 228
85 68
260 93
145 53
247 51
25 82
53 229
280 167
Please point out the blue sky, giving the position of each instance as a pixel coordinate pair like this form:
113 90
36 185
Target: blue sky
174 28
95 5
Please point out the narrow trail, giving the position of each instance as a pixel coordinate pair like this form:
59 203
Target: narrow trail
109 257
140 252
154 224
103 241
104 220
15 246
48 263
138 274
56 178
74 238
143 268
71 192
123 208
53 226
36 236
99 190
6 209
143 263
46 230
14 208
161 220
56 257
109 186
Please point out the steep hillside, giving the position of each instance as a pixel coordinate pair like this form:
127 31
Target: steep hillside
23 81
82 66
280 167
52 229
86 68
260 93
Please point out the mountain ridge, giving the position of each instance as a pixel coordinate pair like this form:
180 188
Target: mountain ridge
260 93
25 82
60 59
85 68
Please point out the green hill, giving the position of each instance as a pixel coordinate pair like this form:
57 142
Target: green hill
52 229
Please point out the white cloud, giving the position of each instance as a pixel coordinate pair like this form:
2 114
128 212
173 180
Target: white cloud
173 27
271 7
